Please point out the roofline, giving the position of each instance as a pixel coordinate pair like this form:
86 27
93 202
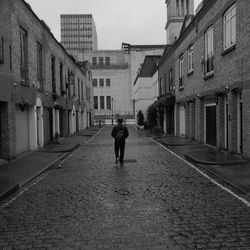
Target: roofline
52 35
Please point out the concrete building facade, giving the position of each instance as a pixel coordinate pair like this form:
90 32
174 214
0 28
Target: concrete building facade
40 99
78 33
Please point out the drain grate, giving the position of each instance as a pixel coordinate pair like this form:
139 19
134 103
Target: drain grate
123 192
130 161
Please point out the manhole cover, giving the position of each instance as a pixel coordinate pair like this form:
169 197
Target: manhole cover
123 192
130 161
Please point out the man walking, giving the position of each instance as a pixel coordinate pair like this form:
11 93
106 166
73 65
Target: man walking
119 133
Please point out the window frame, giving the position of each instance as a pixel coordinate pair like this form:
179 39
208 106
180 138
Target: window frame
39 68
96 102
232 41
190 59
101 83
102 104
108 82
23 55
95 80
108 102
181 71
209 60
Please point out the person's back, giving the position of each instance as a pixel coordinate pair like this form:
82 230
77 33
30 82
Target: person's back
119 133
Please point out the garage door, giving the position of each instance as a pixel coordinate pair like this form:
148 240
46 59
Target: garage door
22 130
182 121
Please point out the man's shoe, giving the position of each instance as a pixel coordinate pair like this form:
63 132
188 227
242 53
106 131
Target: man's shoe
121 164
116 160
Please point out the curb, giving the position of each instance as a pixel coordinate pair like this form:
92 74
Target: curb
16 187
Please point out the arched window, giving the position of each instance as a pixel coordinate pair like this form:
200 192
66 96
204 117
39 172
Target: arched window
177 7
187 7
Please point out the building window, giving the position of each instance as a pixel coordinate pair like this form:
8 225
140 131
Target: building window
23 56
187 7
161 87
100 60
95 102
61 77
230 27
108 102
108 82
53 74
181 62
165 84
101 102
107 60
101 82
190 59
182 7
94 61
177 7
2 51
171 79
79 90
82 90
209 51
39 66
94 82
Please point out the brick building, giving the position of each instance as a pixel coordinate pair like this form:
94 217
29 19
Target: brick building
43 90
212 76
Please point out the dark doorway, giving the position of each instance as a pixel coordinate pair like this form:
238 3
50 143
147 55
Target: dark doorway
48 125
61 118
211 125
170 120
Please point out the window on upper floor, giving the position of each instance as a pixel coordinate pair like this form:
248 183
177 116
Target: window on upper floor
181 73
100 60
170 76
182 7
107 60
108 102
209 51
229 27
95 102
94 82
94 61
187 7
61 77
190 59
53 74
23 56
108 82
101 102
39 65
101 82
161 87
177 7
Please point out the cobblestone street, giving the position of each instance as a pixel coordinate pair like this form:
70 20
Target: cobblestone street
156 201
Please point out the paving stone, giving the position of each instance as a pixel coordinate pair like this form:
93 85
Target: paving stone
155 201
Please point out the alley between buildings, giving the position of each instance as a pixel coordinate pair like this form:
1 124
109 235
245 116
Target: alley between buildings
156 201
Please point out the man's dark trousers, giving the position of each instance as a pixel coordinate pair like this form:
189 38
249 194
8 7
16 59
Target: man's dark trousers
119 146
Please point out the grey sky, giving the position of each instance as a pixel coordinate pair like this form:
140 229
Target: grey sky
117 21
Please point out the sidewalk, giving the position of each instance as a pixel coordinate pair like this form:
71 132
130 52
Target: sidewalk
27 166
230 168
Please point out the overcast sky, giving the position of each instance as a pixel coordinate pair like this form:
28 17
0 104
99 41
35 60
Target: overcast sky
117 21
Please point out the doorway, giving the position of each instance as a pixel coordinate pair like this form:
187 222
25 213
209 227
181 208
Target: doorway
210 124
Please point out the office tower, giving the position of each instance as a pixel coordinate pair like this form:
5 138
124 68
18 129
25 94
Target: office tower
78 33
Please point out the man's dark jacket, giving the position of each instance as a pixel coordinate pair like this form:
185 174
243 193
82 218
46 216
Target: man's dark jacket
120 127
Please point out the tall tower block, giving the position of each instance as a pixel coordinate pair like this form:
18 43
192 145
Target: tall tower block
176 12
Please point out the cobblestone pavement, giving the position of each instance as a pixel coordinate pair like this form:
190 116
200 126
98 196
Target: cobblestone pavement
156 201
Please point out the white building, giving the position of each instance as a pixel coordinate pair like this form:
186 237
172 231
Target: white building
146 84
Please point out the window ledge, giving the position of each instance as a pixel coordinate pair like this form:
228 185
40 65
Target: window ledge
208 76
181 88
190 73
226 51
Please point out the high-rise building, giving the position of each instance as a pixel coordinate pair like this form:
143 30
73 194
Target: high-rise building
176 12
78 33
